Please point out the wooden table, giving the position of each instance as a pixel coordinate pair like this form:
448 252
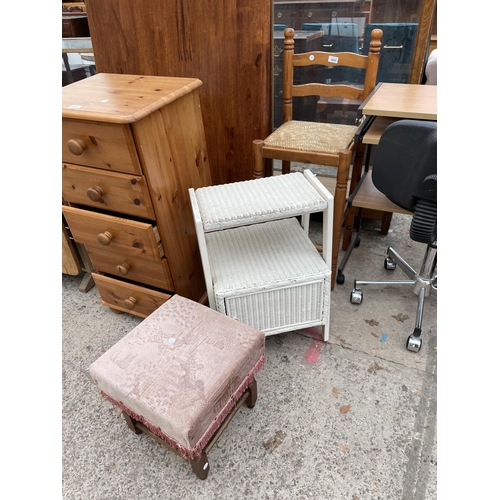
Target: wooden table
401 100
387 103
82 45
395 101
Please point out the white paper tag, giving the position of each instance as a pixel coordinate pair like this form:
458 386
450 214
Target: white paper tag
311 57
333 59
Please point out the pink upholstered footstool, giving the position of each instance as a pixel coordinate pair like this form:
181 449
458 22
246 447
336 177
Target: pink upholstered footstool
181 375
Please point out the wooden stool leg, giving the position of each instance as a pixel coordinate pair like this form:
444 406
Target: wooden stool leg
200 465
252 398
131 423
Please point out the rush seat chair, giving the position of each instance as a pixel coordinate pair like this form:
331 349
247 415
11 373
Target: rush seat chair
405 171
325 144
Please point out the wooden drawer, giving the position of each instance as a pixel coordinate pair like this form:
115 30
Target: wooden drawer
108 146
112 191
125 297
156 274
128 237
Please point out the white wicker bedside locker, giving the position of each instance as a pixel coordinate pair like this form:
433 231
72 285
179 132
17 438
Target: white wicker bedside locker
259 264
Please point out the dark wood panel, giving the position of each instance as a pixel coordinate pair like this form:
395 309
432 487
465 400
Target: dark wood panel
226 44
76 26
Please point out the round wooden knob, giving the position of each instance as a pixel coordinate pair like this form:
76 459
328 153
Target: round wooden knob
130 303
76 146
95 193
104 238
123 269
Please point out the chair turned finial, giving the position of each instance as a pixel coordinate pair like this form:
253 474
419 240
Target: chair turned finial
376 41
289 32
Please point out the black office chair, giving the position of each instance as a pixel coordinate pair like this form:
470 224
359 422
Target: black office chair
405 170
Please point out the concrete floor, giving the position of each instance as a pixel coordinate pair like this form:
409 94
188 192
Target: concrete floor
351 419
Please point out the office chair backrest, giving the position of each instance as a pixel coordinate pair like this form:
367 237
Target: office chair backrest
316 59
405 163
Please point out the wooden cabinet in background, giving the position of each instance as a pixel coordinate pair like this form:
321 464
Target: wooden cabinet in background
131 147
294 13
227 45
75 26
74 20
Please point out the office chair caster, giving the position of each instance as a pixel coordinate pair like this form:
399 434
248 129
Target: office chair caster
340 278
414 342
356 296
389 264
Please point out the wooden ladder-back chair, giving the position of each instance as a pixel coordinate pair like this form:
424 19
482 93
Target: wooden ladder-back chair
325 144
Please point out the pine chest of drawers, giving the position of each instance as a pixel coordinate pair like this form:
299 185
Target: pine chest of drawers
132 146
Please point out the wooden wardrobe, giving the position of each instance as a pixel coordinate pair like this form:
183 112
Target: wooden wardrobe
226 44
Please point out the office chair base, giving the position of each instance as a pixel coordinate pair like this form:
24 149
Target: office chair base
423 283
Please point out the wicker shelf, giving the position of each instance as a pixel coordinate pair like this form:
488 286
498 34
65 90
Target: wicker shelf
259 263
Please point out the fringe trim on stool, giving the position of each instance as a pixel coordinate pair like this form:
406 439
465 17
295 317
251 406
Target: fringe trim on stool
187 453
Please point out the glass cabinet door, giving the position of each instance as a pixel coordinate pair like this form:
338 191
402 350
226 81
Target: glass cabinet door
345 26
